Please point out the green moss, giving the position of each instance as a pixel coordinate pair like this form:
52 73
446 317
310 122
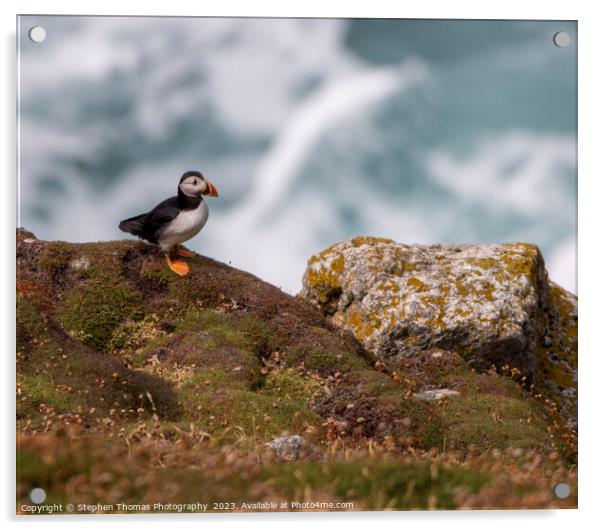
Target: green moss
469 382
292 385
96 308
375 383
257 333
30 324
218 331
156 271
56 256
38 390
185 289
271 417
215 324
222 339
231 412
323 361
487 421
207 380
430 432
61 373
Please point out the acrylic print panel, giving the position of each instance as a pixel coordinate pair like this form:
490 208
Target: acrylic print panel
295 264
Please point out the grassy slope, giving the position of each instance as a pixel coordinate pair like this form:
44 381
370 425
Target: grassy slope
130 377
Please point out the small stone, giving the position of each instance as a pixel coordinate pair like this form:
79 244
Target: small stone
291 447
80 264
435 395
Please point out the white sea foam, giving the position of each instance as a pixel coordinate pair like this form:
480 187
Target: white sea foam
328 106
283 93
514 169
523 172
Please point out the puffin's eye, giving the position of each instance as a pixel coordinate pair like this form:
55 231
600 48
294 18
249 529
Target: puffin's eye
194 182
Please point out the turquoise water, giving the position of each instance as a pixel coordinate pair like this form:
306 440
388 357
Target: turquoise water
312 130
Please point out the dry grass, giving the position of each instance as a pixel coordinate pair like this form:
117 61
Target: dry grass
149 463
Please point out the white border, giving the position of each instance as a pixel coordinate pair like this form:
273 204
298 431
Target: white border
590 174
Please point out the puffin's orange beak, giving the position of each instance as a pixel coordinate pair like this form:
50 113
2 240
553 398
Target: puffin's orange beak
212 190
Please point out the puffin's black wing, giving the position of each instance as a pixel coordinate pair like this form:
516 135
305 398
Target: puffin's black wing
165 212
146 225
133 225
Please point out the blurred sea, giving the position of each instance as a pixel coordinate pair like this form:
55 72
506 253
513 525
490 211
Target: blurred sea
312 130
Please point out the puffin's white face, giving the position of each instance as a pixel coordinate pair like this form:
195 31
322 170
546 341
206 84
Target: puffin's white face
194 186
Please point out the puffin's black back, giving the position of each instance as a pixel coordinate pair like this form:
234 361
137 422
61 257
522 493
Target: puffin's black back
146 225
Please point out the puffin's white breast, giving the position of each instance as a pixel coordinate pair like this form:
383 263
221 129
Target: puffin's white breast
185 226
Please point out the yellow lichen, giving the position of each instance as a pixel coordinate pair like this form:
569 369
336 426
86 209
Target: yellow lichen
354 321
366 240
461 288
482 263
417 285
325 280
388 286
438 305
362 327
557 349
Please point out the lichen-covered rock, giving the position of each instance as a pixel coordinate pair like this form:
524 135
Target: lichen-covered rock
556 372
493 304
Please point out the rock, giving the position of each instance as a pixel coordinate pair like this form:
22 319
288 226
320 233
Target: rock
292 447
435 395
80 263
493 304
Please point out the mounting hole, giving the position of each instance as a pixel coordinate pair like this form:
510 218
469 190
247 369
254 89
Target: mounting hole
562 39
37 34
37 495
562 490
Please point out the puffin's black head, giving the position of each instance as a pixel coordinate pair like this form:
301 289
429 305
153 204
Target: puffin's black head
193 184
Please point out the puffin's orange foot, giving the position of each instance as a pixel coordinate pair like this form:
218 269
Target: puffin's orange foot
181 251
179 266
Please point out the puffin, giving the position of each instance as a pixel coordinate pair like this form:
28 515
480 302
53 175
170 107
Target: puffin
175 220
